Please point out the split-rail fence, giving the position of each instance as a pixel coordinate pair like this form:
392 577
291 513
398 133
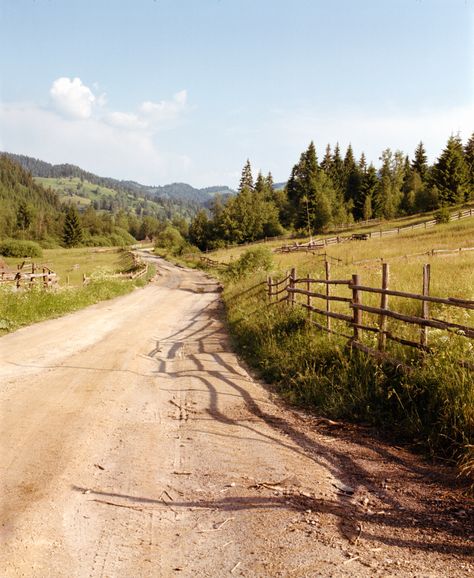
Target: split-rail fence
29 275
318 296
317 244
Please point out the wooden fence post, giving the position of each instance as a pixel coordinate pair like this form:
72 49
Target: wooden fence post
269 283
357 313
383 305
292 284
425 311
327 267
308 300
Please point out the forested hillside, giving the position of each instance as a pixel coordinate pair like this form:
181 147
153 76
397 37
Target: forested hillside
181 194
337 190
31 211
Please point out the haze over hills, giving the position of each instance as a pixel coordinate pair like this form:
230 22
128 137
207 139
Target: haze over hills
174 191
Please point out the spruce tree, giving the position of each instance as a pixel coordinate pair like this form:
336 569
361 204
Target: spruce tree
72 233
326 163
364 207
420 162
337 170
246 180
469 157
23 216
352 180
451 173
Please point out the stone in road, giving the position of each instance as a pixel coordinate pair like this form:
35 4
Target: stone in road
134 444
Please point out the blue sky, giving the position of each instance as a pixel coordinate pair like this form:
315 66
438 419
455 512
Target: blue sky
186 90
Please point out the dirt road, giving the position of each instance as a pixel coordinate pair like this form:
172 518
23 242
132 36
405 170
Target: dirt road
134 444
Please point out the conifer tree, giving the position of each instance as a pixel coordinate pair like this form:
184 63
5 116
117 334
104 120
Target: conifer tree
23 216
389 191
72 233
451 173
326 163
337 170
246 180
420 162
469 157
364 206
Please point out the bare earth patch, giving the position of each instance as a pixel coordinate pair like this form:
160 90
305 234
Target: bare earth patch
134 443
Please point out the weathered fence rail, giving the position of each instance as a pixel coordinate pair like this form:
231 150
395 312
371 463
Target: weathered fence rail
28 275
352 310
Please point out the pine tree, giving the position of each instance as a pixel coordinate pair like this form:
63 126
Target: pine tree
23 216
451 173
364 208
246 180
337 170
326 163
469 157
420 162
72 233
352 179
260 184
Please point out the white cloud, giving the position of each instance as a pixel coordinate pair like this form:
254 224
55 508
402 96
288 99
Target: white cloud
80 128
90 143
125 120
72 98
165 110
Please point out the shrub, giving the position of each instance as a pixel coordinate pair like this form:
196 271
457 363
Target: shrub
255 260
17 248
49 243
443 215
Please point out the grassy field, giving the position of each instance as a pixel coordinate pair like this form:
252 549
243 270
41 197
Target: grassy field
20 308
73 189
432 407
72 264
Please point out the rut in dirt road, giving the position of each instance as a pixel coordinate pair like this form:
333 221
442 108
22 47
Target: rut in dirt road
134 444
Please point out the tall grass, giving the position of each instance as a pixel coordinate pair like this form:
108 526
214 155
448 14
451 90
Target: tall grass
26 306
432 406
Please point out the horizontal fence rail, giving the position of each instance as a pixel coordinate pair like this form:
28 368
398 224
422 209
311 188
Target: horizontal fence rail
361 318
28 275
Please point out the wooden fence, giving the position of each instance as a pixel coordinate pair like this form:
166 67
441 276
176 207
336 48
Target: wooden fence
351 309
28 275
315 245
138 269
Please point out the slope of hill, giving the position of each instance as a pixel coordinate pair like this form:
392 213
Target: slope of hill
24 204
180 192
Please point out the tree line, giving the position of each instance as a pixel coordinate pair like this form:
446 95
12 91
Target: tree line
338 190
29 211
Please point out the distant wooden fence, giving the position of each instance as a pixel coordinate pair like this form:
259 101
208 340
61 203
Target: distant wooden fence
138 269
28 275
317 244
352 304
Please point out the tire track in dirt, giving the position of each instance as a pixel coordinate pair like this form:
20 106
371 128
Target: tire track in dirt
146 449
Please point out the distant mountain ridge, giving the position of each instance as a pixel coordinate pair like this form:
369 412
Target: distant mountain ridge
173 191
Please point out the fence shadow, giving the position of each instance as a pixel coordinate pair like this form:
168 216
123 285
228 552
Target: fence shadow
205 362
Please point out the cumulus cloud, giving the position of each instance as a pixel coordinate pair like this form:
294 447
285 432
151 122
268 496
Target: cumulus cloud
72 98
150 116
91 143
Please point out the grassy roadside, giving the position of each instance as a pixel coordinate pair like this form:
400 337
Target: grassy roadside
21 308
432 407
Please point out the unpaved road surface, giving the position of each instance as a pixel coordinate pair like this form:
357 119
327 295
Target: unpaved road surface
134 444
